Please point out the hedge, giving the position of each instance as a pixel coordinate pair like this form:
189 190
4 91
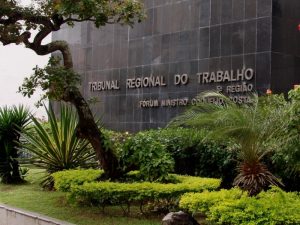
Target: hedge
64 179
273 207
116 193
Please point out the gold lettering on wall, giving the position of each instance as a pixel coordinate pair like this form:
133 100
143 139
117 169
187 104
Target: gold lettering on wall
234 83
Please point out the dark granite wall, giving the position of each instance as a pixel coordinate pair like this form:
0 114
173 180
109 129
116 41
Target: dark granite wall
285 45
182 37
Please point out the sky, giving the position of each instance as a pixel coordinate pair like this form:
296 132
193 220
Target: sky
16 62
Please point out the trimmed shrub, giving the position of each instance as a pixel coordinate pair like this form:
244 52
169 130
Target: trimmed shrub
64 179
234 207
202 202
114 193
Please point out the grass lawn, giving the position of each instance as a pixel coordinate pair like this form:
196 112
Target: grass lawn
31 197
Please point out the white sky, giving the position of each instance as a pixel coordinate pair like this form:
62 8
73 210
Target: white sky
16 62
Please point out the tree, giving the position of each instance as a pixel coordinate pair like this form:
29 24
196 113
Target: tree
252 126
17 24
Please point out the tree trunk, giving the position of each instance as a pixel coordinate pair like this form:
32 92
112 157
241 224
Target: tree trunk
87 127
16 176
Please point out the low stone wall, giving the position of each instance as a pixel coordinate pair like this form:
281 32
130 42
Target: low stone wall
14 216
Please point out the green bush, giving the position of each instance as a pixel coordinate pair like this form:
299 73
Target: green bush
114 193
149 156
64 179
192 151
274 207
202 202
114 140
287 156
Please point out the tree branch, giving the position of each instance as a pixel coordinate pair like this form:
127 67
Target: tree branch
39 37
61 46
70 19
6 40
19 14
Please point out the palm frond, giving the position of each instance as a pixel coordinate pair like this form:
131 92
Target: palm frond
251 126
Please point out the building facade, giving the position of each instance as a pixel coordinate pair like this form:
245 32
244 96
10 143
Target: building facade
142 77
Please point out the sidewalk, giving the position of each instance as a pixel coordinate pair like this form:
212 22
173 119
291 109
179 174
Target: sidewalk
15 216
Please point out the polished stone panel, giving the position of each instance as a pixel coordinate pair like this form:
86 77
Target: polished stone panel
182 38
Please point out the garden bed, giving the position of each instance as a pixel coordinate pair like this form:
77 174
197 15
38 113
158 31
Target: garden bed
31 197
84 189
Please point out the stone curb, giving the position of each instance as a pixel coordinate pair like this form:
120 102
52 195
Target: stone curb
14 216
